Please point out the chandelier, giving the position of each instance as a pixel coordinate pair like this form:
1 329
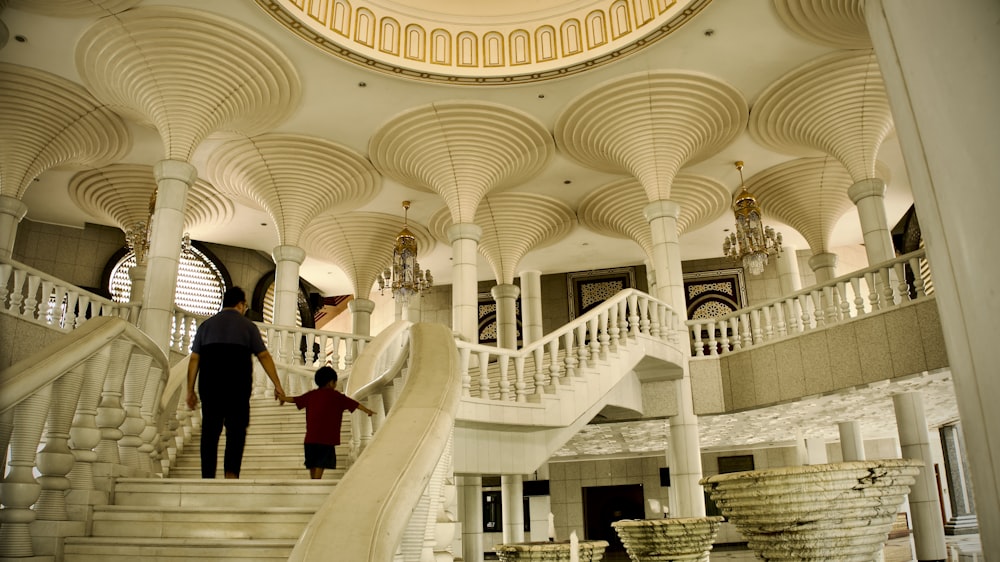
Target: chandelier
752 243
404 276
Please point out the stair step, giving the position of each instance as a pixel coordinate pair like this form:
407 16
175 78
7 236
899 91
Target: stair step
198 492
201 523
298 472
114 549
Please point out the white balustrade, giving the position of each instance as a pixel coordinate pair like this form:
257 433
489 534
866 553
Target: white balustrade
869 290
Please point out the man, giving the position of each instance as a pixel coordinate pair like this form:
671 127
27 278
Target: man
222 351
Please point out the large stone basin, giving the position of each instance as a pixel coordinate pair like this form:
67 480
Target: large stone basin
668 540
840 511
590 551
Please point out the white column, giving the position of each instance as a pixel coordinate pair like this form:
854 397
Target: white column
512 507
852 445
173 178
650 276
914 442
684 456
950 158
824 265
506 296
531 306
464 238
869 197
470 513
12 211
816 451
361 315
788 271
287 260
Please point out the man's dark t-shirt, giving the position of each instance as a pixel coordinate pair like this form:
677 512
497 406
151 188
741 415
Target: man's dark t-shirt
226 344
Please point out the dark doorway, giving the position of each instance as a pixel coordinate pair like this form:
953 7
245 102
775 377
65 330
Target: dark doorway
603 505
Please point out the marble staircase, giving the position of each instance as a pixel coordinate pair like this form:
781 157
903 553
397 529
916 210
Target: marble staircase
183 517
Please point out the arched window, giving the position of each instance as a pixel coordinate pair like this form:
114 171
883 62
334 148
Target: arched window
200 281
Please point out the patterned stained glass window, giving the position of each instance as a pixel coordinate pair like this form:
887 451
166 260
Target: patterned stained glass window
200 284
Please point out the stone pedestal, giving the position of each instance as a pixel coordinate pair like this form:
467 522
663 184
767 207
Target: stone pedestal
668 540
558 551
840 511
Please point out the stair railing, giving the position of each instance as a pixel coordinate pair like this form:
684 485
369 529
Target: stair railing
91 392
862 293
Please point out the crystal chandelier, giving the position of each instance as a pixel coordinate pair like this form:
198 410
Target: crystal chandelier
752 242
404 276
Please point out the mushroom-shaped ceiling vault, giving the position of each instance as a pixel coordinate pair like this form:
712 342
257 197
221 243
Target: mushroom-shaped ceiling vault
616 209
836 105
293 178
650 124
513 224
461 150
360 244
188 73
72 8
808 194
47 121
836 23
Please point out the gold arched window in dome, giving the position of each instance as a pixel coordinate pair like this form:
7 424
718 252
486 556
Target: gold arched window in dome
200 282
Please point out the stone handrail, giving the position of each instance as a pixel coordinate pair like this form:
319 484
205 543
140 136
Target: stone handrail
98 386
562 353
44 299
861 293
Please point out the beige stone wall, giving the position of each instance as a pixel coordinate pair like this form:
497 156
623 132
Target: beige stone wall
76 255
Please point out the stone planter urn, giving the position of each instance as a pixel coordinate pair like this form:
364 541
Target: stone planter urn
668 540
590 551
840 511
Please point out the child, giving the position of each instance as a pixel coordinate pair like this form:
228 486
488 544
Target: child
324 412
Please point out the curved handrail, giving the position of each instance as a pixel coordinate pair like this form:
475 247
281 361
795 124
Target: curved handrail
27 376
365 516
366 378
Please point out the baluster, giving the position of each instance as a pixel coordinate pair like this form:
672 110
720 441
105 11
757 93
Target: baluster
69 316
623 321
20 489
830 294
333 357
758 332
570 358
887 289
57 310
845 305
84 432
613 330
503 362
519 385
56 459
768 325
804 309
484 374
779 311
713 344
633 319
16 293
859 300
30 302
595 340
132 426
818 314
903 289
602 321
110 413
699 346
644 316
84 304
176 331
654 320
538 354
873 296
554 361
463 362
918 280
150 449
45 302
351 348
734 330
581 346
6 272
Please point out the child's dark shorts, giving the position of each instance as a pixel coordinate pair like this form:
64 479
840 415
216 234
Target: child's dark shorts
320 456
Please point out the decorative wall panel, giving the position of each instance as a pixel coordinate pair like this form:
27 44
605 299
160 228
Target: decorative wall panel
588 289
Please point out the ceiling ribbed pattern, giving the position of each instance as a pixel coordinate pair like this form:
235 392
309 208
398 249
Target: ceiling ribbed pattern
836 23
836 104
47 121
461 151
294 178
808 194
651 124
120 193
513 224
360 244
72 8
616 209
188 73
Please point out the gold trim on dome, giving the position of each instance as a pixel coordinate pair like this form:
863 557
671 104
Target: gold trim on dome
489 53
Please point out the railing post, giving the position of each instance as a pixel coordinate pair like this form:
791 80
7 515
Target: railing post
605 338
30 302
699 347
55 460
484 374
463 365
519 385
20 489
16 294
554 362
581 346
570 359
538 355
713 345
503 363
84 431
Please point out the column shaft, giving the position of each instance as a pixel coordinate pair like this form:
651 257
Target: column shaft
471 515
287 260
531 306
788 271
464 239
914 441
512 508
852 445
824 265
361 315
506 299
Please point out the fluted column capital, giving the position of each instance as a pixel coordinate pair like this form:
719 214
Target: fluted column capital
288 253
175 170
464 231
361 305
508 291
13 206
871 187
660 209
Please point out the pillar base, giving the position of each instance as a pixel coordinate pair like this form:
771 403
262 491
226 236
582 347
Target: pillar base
962 525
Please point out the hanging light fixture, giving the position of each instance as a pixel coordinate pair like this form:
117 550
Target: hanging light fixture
404 276
752 243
